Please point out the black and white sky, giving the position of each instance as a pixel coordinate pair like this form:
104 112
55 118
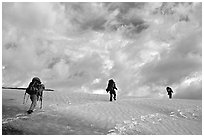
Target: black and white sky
144 47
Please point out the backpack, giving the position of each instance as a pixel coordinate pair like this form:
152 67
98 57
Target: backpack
33 88
169 90
111 85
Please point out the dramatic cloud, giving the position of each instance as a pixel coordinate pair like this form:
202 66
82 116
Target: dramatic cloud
79 46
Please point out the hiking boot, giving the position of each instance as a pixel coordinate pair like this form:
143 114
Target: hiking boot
30 111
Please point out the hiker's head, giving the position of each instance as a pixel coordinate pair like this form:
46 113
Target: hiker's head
111 81
36 79
167 88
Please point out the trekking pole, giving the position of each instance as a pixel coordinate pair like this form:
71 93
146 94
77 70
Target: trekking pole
27 98
24 98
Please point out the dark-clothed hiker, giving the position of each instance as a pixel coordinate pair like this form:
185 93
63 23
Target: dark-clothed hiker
111 89
169 91
35 90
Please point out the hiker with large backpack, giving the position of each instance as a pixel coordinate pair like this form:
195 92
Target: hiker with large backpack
111 89
169 91
35 90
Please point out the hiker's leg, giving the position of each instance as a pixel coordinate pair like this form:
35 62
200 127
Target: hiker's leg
34 102
110 96
114 96
170 95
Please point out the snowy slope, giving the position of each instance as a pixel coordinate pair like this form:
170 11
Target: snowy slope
80 113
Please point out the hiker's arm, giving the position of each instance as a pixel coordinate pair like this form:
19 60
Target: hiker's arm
115 87
107 90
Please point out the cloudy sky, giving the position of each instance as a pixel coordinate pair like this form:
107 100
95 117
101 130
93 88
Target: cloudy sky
144 47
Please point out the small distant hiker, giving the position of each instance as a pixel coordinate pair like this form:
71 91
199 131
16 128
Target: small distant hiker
169 91
111 89
35 90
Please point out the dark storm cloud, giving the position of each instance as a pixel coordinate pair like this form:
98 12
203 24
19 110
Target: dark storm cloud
126 16
86 15
100 16
124 7
10 46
